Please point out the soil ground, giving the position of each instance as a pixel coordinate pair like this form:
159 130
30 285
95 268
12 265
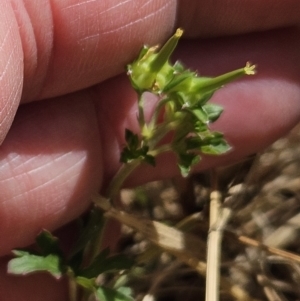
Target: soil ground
263 194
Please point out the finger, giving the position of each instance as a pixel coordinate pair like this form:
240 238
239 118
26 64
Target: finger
85 49
51 161
69 46
58 151
217 18
11 68
55 49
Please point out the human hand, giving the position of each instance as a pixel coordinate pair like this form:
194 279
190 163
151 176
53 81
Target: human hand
65 140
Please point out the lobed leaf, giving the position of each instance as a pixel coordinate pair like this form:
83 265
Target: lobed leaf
186 161
48 244
213 111
26 263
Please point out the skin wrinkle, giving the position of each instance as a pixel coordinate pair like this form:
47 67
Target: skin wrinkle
92 53
82 64
142 19
56 161
29 194
55 178
8 62
52 159
51 46
29 46
71 179
36 31
146 4
26 162
10 81
128 24
7 110
20 191
113 7
54 214
79 4
4 41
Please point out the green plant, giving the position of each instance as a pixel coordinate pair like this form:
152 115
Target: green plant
183 113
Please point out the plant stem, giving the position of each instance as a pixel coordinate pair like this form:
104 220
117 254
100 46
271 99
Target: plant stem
160 132
119 178
157 111
73 288
162 149
141 116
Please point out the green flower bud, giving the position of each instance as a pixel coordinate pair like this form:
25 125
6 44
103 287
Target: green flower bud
209 85
198 90
152 70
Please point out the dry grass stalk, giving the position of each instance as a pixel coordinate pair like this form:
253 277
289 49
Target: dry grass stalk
214 249
184 246
254 243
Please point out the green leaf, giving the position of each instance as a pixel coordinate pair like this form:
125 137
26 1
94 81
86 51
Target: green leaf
90 231
121 281
200 127
200 114
213 111
125 290
132 139
48 243
107 294
132 151
126 155
217 147
88 284
193 143
26 263
102 264
211 143
186 161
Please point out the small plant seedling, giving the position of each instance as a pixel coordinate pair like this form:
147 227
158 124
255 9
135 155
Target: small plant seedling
183 110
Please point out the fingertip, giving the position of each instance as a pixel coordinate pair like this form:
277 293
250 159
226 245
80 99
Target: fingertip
51 162
11 67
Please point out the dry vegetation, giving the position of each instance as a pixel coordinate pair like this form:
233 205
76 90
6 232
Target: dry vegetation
261 239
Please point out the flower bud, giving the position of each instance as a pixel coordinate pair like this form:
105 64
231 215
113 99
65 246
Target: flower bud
198 90
152 70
